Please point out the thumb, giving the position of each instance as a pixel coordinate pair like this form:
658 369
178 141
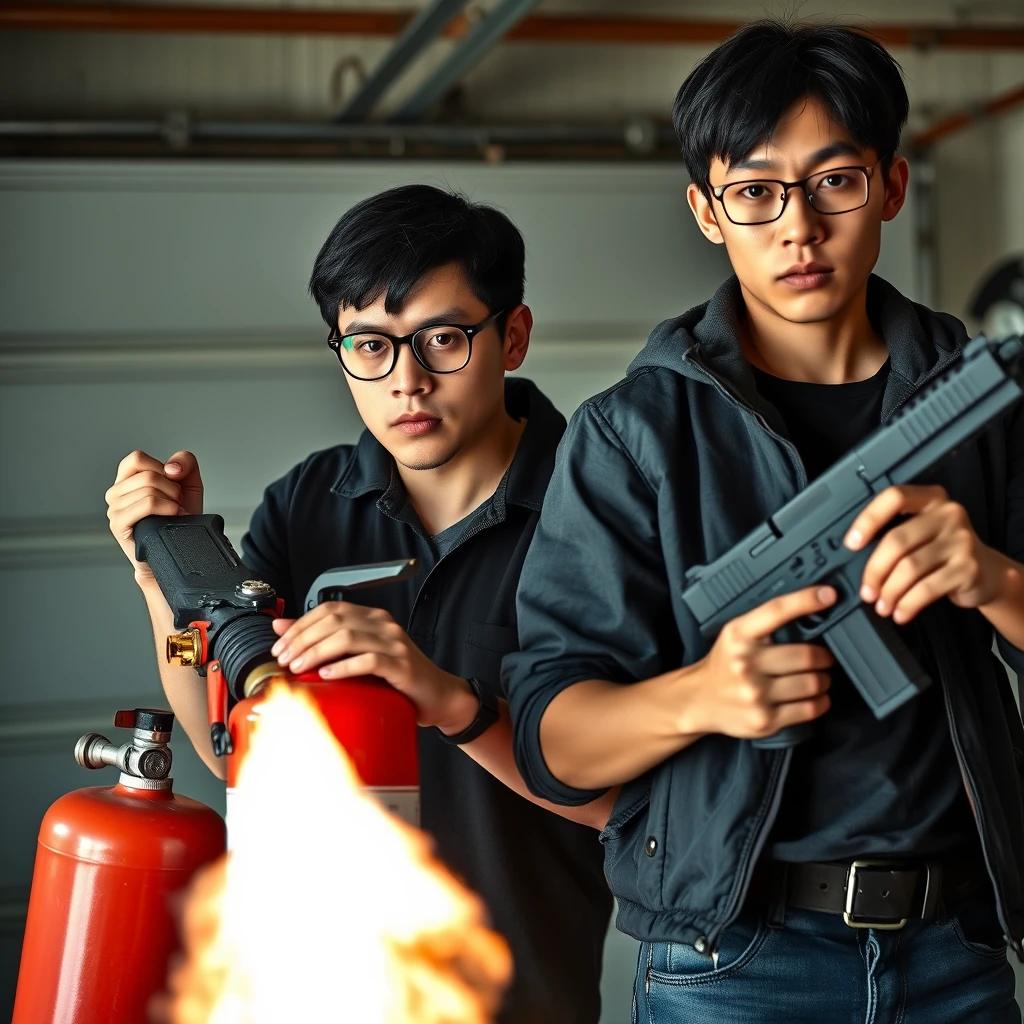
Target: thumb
183 467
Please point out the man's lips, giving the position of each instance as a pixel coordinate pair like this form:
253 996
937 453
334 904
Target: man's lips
807 275
415 424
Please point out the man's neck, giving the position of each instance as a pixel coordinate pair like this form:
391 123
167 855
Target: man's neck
839 350
443 496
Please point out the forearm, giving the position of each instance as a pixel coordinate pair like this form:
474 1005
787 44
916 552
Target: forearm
1006 612
184 689
493 751
597 733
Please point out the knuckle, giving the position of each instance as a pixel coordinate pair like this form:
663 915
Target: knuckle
750 694
739 668
759 720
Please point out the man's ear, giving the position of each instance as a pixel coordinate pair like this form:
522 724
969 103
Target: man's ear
518 324
895 188
703 214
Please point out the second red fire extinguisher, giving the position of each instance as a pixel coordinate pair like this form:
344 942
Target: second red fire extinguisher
110 859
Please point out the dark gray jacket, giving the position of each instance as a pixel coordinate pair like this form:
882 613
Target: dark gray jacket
668 469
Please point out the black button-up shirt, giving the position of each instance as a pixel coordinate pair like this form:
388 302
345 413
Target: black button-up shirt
540 875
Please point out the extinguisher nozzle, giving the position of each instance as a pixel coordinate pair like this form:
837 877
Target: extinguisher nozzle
90 748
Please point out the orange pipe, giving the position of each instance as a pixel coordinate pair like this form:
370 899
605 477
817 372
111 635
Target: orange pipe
549 28
948 125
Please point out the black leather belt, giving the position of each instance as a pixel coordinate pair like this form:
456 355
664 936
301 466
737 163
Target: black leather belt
869 893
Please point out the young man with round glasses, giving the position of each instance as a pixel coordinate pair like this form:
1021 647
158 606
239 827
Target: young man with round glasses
874 872
423 294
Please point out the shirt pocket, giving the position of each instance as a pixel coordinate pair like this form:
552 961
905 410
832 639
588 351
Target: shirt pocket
486 644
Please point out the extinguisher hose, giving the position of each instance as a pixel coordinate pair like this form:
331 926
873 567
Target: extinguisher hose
243 644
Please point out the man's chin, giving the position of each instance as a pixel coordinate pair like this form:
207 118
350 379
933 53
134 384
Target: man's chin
424 460
812 308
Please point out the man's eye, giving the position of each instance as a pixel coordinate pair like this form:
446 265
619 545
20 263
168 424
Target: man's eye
834 181
755 192
442 339
370 346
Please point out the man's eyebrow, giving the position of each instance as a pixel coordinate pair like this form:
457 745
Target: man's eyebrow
452 316
825 153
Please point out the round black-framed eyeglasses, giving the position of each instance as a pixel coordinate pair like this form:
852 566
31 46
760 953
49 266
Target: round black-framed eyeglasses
440 348
763 200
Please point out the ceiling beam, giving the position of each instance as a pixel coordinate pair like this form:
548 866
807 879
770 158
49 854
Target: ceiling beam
419 33
485 34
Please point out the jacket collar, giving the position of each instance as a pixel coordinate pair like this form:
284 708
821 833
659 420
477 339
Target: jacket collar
921 342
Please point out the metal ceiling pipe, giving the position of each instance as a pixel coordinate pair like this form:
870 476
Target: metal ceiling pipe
536 28
472 136
421 31
961 119
465 56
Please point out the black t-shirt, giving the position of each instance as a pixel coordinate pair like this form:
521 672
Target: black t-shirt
859 786
540 876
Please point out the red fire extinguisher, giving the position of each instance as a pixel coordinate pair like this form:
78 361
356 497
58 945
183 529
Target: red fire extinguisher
100 927
374 724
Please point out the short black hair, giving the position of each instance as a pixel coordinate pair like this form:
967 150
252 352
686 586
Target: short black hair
734 98
385 244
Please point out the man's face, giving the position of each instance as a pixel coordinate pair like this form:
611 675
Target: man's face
805 267
425 419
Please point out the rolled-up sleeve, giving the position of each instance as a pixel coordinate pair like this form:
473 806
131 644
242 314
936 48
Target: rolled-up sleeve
593 599
1013 656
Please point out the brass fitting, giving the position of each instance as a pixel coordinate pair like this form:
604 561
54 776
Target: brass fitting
185 648
263 675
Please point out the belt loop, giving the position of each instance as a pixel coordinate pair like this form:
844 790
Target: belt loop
776 913
932 889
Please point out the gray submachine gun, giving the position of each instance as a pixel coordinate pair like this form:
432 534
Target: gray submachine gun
801 545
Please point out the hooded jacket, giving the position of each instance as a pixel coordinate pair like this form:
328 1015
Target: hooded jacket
667 470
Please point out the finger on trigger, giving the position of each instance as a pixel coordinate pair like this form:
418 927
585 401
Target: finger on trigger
775 614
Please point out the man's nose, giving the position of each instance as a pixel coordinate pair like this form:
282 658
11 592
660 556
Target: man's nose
409 377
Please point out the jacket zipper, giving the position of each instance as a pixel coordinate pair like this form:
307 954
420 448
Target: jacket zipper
761 828
781 762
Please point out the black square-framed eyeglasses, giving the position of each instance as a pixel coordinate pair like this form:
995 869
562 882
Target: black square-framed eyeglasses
440 348
762 200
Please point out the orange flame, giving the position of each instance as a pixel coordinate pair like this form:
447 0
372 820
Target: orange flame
328 909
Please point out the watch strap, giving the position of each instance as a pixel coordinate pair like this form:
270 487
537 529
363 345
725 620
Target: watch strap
486 716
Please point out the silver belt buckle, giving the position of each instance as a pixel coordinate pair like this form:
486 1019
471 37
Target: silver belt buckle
849 919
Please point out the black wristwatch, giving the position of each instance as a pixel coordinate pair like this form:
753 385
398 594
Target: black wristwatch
486 716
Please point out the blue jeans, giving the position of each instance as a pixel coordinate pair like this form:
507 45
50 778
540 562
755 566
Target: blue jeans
813 969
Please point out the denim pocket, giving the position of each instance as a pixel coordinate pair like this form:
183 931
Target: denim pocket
977 929
680 964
